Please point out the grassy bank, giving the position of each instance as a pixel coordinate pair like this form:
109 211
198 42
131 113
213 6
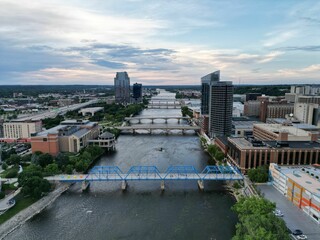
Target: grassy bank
21 203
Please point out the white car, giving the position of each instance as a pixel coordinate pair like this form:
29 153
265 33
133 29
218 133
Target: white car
278 213
302 237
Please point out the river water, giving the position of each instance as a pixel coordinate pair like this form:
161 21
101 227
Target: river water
143 211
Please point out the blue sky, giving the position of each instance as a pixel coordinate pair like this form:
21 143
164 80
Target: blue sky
169 42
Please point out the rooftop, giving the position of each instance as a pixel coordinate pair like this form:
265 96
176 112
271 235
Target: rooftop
277 128
306 176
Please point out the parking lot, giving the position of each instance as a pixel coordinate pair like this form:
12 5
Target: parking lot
294 217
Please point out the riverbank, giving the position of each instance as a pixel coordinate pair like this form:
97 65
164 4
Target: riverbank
26 214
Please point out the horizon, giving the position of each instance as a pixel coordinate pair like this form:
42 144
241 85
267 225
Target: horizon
174 44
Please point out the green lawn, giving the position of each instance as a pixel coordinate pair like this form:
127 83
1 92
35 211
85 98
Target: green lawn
21 203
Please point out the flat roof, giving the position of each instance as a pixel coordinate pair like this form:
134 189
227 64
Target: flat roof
81 132
243 143
277 128
302 175
244 124
295 144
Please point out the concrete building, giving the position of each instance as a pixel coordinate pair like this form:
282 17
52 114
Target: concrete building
308 99
243 128
206 82
105 140
281 132
305 89
122 88
248 153
252 108
307 113
69 136
220 111
21 129
300 185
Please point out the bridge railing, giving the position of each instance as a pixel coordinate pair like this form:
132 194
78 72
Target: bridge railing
114 173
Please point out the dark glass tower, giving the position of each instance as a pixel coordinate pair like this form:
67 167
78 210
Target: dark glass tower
206 82
137 91
220 110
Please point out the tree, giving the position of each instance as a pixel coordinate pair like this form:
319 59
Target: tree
259 175
62 160
257 221
12 173
52 169
4 166
32 182
13 159
45 159
69 169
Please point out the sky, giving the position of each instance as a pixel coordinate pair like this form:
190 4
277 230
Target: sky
159 42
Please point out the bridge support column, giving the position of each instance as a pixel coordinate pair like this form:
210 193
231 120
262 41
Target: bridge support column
124 185
179 120
152 120
166 120
201 185
162 185
85 185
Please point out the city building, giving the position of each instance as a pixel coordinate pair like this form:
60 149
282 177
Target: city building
137 92
105 140
1 128
252 108
247 153
69 136
220 111
122 87
237 109
21 129
243 128
295 123
300 184
306 89
252 96
206 82
275 110
307 113
282 132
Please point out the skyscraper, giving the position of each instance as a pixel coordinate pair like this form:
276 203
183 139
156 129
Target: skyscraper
137 91
206 82
220 108
122 87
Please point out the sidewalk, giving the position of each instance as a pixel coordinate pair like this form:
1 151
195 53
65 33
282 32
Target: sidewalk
4 203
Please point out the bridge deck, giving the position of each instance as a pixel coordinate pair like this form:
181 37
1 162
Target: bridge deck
151 173
162 127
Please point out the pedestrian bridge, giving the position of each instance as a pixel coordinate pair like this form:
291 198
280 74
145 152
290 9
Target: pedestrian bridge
152 173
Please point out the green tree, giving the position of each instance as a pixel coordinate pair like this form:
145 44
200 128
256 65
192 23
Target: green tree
4 166
12 173
259 175
45 159
257 221
69 169
52 169
62 160
13 159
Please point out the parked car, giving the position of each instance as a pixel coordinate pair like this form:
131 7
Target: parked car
278 213
297 232
302 237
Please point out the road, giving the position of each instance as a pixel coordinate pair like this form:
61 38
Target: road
294 217
61 111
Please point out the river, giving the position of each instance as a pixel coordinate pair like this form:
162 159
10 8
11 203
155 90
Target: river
143 211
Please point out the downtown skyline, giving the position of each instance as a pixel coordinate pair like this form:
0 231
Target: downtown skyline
159 42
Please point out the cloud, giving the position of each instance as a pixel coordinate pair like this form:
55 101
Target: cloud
314 48
109 64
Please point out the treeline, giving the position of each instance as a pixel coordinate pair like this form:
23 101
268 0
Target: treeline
31 90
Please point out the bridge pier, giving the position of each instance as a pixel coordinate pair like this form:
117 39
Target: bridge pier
162 185
179 119
165 120
124 185
85 185
152 120
201 185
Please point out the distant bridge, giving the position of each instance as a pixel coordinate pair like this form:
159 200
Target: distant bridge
164 104
152 173
151 127
152 118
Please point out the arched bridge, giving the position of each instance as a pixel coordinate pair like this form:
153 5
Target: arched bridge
152 118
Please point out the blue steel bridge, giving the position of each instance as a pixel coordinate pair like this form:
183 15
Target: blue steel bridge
152 173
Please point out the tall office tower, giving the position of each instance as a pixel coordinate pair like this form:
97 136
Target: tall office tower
206 82
137 91
220 108
122 87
